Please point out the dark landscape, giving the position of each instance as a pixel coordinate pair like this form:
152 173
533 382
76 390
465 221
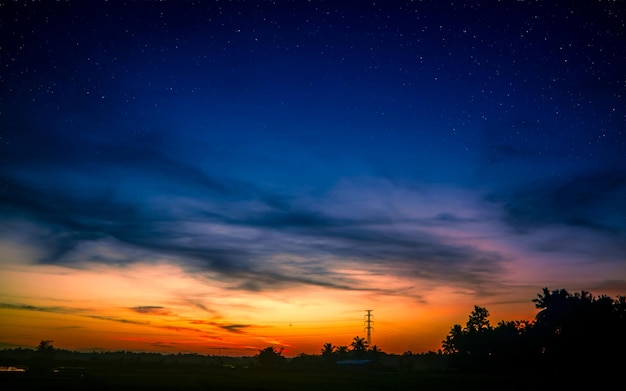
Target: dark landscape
575 338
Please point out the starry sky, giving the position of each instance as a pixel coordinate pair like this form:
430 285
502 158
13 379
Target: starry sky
223 176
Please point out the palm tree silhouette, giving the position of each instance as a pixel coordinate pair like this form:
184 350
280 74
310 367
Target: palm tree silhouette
359 346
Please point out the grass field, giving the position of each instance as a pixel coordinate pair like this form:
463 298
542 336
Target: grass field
240 379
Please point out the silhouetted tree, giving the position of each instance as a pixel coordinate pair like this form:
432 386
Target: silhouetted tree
374 352
478 321
583 326
480 346
341 352
359 346
43 360
454 340
328 349
306 362
45 347
511 346
476 339
467 340
374 349
271 358
328 354
572 333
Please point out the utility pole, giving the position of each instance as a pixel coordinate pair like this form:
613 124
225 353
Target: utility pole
368 326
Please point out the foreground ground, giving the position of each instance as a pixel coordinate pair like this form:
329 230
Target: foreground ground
232 379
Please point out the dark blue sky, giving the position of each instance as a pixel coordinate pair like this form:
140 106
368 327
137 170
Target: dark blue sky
266 143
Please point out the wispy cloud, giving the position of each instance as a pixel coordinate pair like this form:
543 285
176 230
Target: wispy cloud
257 247
170 322
232 328
255 238
159 344
52 309
151 309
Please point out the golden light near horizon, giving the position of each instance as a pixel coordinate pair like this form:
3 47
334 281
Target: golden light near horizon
161 307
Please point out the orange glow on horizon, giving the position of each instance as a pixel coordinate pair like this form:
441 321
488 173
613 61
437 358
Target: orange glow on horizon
163 309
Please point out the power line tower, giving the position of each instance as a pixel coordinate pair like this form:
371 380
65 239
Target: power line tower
368 326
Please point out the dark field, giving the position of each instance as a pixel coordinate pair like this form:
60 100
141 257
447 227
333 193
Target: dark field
244 379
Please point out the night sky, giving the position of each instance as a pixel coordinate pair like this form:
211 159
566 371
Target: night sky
202 176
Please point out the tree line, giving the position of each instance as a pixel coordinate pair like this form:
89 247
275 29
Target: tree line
571 333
